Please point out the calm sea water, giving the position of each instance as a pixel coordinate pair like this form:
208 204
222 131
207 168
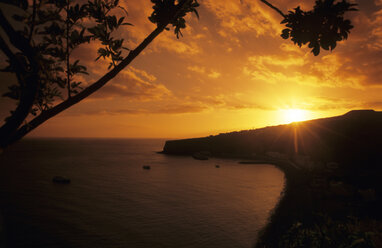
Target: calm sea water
112 202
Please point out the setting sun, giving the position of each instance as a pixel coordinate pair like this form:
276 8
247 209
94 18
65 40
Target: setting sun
294 115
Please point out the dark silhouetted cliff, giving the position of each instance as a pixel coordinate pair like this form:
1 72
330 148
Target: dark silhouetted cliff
355 137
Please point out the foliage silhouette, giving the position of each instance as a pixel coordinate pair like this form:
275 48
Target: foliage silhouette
51 31
323 26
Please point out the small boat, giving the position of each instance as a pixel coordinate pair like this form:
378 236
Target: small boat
255 162
200 156
217 166
146 167
61 180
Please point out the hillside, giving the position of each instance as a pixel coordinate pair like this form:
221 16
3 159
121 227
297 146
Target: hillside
355 137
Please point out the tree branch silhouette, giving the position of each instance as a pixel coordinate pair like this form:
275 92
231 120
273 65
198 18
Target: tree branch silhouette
175 16
273 7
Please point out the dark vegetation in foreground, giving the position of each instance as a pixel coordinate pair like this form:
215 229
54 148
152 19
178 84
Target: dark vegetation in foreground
333 166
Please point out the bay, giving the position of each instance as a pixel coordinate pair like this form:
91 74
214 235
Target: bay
113 202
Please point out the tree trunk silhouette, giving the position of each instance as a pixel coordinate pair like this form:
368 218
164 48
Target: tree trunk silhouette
27 77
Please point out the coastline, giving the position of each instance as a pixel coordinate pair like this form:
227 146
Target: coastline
313 213
317 208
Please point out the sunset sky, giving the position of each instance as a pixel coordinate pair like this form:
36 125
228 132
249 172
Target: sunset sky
230 71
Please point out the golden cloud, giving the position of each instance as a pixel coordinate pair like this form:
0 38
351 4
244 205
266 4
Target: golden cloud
134 84
214 74
328 71
198 69
202 70
184 46
244 16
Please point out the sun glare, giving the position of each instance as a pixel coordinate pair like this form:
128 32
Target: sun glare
294 115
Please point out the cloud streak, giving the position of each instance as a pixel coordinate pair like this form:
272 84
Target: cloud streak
135 84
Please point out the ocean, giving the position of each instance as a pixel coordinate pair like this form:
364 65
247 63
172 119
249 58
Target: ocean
113 202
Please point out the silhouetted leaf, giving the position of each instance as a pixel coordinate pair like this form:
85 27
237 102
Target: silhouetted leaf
322 27
165 9
19 3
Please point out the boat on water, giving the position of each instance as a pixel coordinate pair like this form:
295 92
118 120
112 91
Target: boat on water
200 156
146 167
61 180
255 162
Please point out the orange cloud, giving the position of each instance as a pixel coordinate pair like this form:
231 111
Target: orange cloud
198 69
330 70
136 84
202 70
214 74
244 16
184 46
